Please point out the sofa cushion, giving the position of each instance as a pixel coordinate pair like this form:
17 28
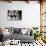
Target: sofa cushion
11 30
23 31
17 30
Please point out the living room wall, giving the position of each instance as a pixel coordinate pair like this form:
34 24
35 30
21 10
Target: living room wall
30 14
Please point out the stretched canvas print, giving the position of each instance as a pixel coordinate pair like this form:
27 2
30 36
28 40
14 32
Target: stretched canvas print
14 15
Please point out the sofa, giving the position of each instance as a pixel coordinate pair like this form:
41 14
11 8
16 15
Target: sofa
22 34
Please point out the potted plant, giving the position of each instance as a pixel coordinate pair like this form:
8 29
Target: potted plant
37 33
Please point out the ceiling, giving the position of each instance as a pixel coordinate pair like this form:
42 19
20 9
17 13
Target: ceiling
20 0
24 0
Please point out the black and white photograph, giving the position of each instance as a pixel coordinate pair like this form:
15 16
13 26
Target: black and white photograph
14 15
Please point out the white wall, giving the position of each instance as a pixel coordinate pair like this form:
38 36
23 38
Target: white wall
30 14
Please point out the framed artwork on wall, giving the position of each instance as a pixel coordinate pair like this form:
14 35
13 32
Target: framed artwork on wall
14 14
